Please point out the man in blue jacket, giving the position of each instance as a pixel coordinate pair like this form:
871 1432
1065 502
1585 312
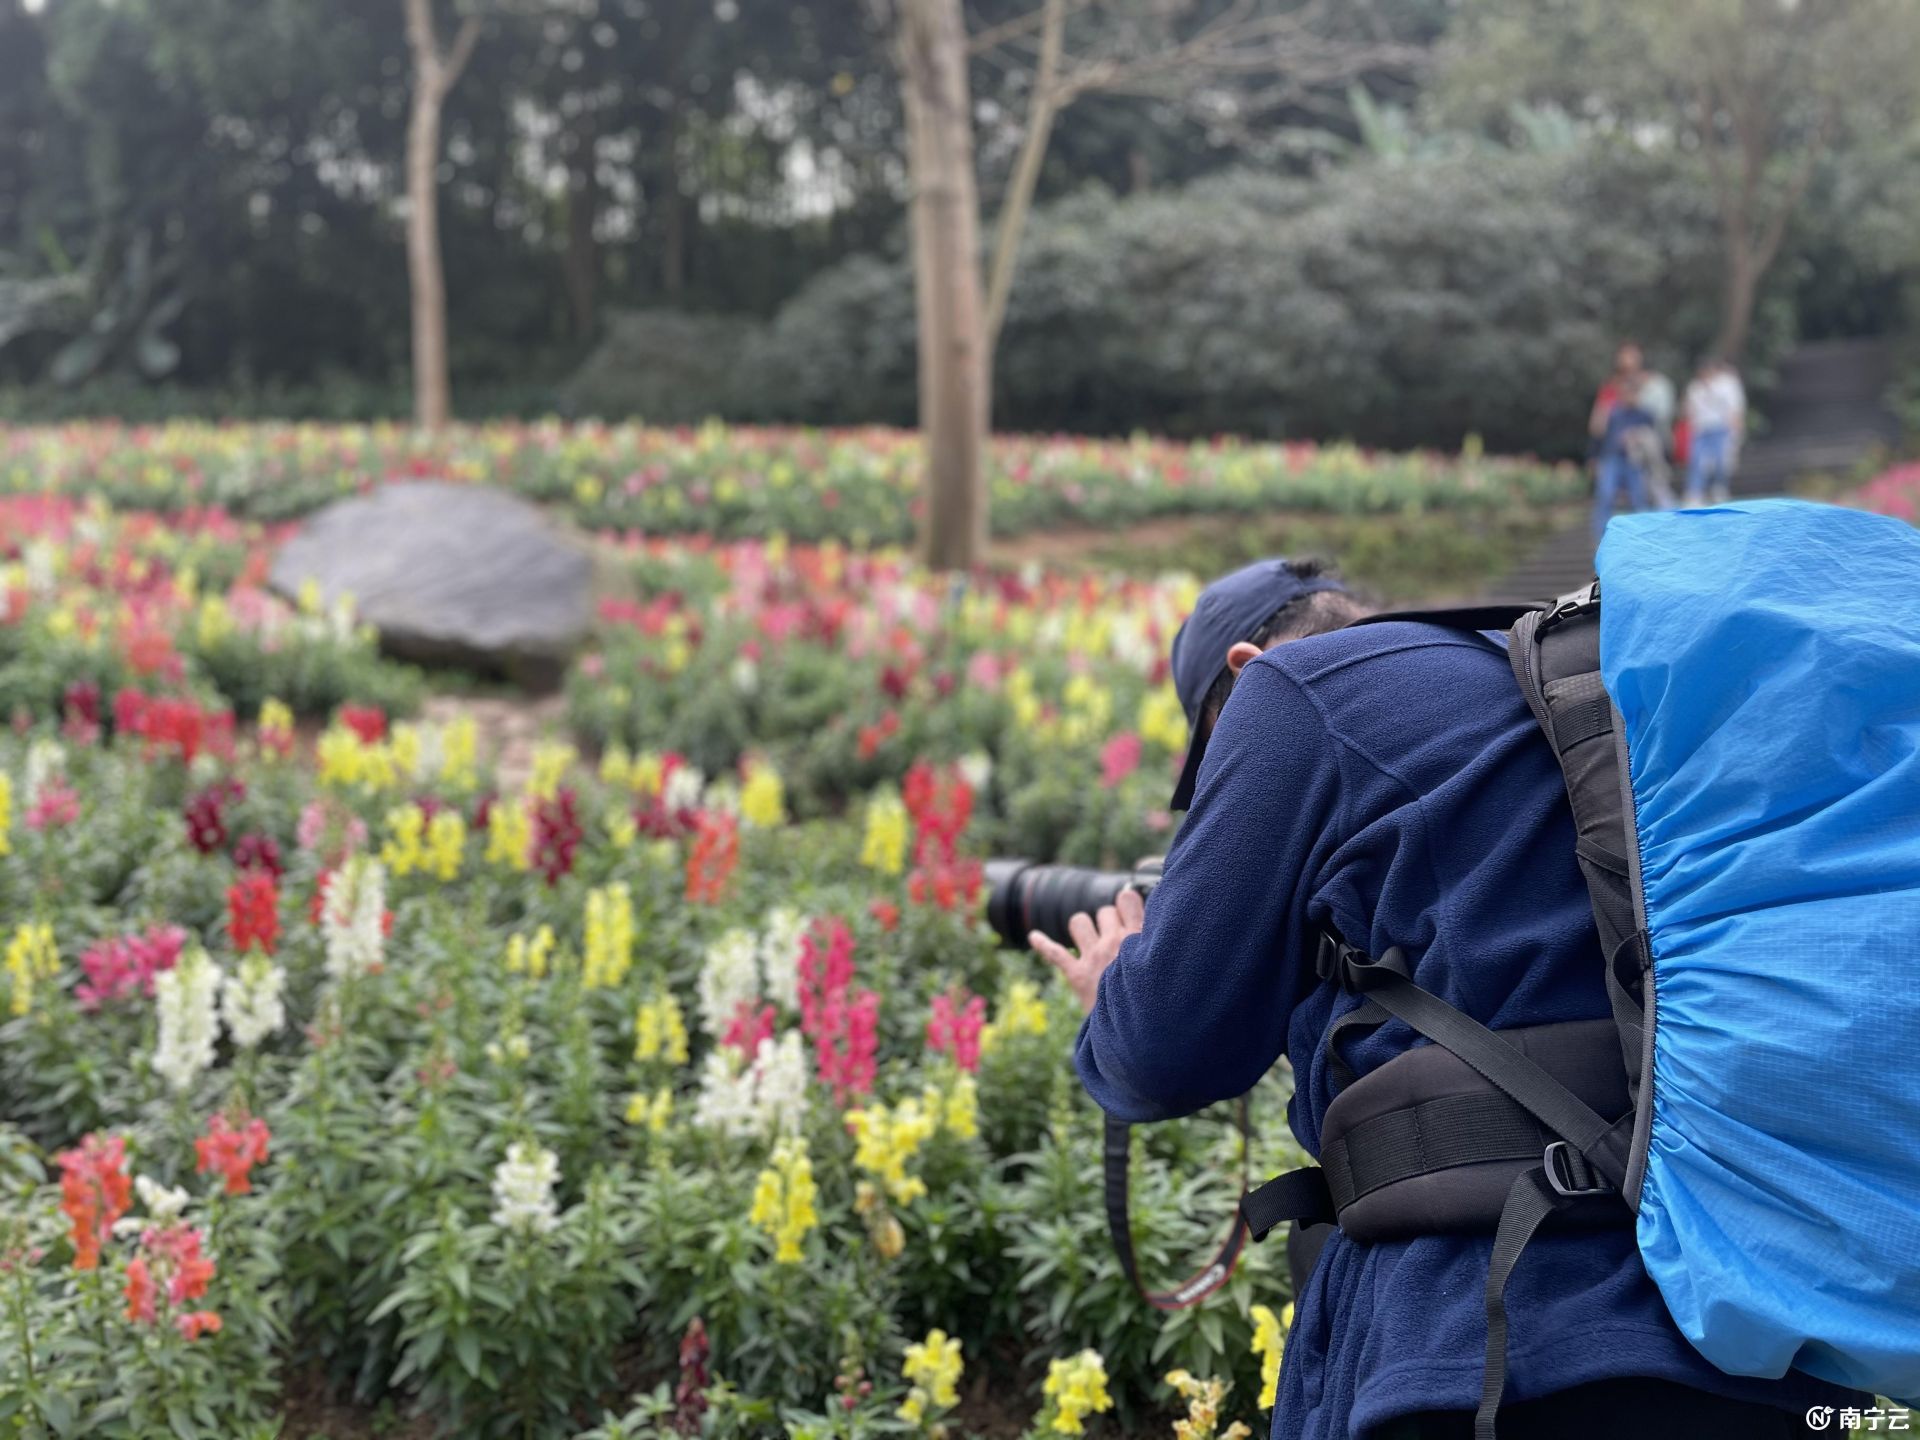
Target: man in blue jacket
1388 782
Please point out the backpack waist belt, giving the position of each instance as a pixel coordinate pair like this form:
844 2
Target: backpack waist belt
1425 1145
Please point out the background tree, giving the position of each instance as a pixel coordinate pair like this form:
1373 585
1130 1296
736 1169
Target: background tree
930 49
435 72
1760 90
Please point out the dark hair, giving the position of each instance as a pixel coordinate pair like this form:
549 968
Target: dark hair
1312 614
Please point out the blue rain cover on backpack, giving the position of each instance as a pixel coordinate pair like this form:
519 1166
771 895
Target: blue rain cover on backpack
1766 660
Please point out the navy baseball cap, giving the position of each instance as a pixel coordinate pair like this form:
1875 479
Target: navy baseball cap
1230 610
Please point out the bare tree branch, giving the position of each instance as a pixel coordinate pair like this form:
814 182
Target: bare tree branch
456 59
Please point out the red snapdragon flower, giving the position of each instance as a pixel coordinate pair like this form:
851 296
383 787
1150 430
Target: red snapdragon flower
1119 758
711 861
748 1028
57 804
557 834
196 1323
232 1151
253 912
954 1029
171 1256
82 707
95 1191
843 1028
369 722
141 1291
117 968
257 850
872 737
206 814
886 912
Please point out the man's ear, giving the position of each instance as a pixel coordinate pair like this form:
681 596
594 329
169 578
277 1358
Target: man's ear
1238 656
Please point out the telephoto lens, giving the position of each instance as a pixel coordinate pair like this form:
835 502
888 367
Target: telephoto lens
1023 897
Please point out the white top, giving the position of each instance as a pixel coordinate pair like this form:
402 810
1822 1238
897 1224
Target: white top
1717 403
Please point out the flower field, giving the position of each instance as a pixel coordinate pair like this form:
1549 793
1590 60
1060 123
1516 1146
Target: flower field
742 482
668 1085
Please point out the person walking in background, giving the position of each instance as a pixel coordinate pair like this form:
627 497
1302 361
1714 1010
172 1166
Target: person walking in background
1616 415
1716 422
1648 444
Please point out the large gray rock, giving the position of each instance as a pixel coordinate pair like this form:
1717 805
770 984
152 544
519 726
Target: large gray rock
449 574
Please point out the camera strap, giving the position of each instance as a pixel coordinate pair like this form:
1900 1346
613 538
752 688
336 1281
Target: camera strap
1119 1143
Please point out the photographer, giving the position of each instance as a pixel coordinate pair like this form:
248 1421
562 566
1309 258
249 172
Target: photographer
1388 782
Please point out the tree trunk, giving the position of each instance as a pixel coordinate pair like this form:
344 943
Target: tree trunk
1736 304
932 55
582 269
433 76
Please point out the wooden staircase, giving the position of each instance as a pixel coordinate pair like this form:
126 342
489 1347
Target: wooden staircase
1828 412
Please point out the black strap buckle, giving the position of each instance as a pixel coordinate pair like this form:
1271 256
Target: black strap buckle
1574 602
1570 1175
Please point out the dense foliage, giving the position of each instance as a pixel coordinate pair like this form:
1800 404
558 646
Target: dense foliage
860 486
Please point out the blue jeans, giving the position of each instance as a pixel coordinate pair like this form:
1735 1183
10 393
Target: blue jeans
1709 464
1615 473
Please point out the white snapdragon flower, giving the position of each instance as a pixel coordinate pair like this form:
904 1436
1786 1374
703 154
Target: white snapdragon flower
184 998
780 1084
976 769
46 764
745 674
722 797
683 788
353 918
523 1186
251 1000
761 1099
725 1101
730 974
780 956
163 1205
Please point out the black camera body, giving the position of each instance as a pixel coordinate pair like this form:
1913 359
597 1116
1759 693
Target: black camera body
1023 896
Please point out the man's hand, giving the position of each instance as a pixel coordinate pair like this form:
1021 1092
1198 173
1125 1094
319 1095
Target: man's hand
1098 938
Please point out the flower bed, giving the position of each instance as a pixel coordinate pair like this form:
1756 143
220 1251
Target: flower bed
1895 491
859 485
621 1100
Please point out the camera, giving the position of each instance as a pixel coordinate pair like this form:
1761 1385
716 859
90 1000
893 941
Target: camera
1023 896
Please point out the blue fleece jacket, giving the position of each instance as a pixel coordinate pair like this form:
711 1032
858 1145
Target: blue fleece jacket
1390 781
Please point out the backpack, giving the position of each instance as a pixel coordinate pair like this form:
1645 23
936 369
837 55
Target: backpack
1738 726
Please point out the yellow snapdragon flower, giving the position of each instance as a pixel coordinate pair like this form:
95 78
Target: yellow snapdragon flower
551 761
459 753
31 957
402 852
660 1030
885 847
885 1141
1270 1344
609 952
531 957
446 845
655 1111
956 1109
783 1200
1162 722
1022 1012
6 813
1204 1399
510 835
933 1368
1075 1389
616 767
763 798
